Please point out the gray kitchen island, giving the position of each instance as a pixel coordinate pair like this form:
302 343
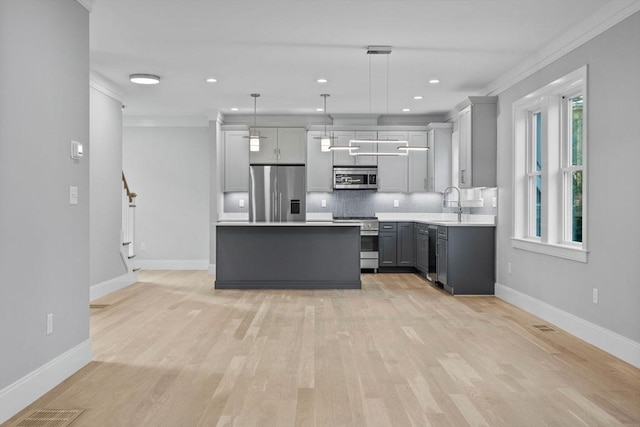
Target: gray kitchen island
297 255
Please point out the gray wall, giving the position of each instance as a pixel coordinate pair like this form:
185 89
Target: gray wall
168 167
106 188
613 177
44 241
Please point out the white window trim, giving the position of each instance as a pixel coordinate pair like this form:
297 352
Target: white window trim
553 240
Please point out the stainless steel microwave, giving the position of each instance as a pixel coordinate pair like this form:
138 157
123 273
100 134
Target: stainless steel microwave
355 178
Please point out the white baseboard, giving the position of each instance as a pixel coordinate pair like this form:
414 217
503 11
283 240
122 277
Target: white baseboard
609 341
212 269
112 285
173 264
17 396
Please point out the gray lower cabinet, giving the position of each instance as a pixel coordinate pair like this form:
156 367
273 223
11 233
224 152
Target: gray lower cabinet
396 244
387 244
465 260
406 245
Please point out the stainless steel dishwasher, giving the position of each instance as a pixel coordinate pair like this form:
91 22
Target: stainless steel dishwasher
433 239
441 256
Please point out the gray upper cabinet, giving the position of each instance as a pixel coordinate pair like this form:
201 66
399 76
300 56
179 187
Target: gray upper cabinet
392 169
439 156
281 145
477 142
319 164
418 167
343 158
236 161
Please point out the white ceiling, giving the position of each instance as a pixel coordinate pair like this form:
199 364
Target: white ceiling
280 48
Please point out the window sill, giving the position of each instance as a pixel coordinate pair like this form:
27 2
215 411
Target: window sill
559 251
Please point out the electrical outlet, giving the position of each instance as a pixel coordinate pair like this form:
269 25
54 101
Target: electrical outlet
494 202
509 267
241 203
73 195
595 295
143 246
49 323
323 203
396 203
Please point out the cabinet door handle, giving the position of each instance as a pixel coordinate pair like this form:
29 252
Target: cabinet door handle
462 175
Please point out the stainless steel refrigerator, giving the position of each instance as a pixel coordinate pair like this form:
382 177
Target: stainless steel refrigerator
277 193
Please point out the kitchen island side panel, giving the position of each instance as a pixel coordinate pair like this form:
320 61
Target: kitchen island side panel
282 257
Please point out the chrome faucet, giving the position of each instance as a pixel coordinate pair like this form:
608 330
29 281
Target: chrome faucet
444 201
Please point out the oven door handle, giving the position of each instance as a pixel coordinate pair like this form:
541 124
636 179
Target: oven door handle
368 232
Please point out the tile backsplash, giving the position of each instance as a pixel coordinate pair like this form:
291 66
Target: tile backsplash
368 202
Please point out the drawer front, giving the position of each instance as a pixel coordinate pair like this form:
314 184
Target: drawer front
388 226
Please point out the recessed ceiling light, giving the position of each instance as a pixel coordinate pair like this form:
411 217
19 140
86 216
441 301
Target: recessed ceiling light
322 80
406 109
211 80
417 97
319 109
434 81
234 109
144 79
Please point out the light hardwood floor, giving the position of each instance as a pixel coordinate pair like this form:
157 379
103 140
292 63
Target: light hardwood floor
172 351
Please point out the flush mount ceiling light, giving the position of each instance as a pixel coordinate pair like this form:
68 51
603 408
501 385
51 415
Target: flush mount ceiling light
434 81
211 80
144 79
417 97
322 80
254 135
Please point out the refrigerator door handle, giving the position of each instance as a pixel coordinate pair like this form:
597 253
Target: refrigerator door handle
280 210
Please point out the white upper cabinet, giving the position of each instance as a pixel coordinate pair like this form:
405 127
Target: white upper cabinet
281 145
392 169
343 158
236 161
319 164
291 145
477 135
439 156
418 167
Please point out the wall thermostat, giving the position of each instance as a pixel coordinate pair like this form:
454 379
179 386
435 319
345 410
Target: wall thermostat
76 150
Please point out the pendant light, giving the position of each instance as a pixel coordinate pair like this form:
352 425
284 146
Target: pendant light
254 135
325 138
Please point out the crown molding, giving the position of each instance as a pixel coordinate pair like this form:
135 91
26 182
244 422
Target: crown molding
105 86
605 18
162 121
87 4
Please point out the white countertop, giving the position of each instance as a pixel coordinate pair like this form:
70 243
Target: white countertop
287 224
325 219
446 219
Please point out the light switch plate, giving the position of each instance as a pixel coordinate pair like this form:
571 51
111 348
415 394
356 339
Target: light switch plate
73 195
323 203
241 203
396 203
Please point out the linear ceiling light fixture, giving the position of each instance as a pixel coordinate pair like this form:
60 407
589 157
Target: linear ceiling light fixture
403 146
144 79
254 135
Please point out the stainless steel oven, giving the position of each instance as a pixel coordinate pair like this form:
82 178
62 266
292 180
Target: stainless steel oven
355 178
368 240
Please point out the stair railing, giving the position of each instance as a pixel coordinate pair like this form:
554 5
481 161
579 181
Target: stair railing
128 222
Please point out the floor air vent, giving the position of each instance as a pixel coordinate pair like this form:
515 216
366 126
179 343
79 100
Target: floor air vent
50 418
544 328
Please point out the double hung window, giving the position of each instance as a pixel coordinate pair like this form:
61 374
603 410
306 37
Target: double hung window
550 169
